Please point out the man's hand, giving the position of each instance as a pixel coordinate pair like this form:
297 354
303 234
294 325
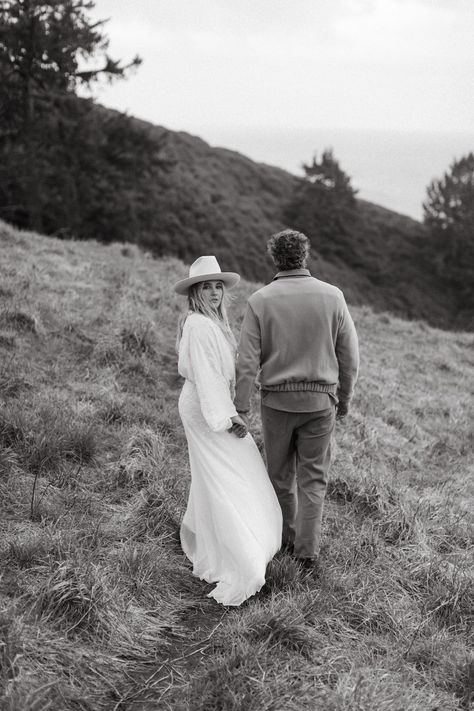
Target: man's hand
342 408
239 428
245 417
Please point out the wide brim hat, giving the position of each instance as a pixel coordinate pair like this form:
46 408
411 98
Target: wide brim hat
206 269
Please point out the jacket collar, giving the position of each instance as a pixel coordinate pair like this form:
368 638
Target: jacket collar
292 273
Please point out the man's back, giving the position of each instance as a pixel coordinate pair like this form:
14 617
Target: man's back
301 331
299 318
298 332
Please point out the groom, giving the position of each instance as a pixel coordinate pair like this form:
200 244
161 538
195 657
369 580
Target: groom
298 334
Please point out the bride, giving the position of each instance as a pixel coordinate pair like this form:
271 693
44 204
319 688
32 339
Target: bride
232 525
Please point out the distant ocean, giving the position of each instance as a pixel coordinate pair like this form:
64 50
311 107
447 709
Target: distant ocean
389 168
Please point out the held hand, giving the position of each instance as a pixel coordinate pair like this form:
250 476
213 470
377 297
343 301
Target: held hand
342 408
245 417
239 428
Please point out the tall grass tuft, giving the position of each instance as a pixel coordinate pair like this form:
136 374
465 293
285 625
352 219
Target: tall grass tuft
27 553
151 515
143 456
75 598
50 437
13 427
10 646
19 320
8 462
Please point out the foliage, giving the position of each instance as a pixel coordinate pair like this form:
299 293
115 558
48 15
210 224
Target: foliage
324 207
328 175
52 144
449 215
385 258
45 47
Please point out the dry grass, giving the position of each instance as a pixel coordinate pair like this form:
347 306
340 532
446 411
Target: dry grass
98 608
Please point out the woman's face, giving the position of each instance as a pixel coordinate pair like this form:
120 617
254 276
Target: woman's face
212 293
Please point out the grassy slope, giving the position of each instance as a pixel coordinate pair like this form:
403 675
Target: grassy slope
98 608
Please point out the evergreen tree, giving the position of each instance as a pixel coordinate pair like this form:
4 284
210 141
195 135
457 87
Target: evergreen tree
449 215
48 48
329 176
324 206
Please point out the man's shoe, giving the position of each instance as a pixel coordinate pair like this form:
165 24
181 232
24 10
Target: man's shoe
307 562
310 566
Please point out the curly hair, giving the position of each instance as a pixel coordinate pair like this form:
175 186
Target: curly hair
289 249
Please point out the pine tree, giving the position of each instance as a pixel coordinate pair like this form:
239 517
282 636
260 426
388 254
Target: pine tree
449 215
329 176
324 206
48 48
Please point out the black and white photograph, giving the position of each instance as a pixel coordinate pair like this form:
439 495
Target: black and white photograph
236 355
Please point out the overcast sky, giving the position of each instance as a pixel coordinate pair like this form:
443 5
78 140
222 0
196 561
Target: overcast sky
364 64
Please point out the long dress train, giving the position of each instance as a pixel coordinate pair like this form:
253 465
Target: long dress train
232 525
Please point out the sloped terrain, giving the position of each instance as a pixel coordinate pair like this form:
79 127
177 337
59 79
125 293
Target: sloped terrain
98 607
217 201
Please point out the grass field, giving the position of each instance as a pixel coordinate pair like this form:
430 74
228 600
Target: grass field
98 607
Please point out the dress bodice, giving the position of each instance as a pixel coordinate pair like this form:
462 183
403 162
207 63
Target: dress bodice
206 360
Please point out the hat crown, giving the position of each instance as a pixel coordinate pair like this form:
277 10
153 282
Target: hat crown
206 269
203 266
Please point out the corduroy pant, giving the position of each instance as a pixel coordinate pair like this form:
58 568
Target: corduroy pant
298 454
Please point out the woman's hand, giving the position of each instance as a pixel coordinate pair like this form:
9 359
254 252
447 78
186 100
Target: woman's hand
239 428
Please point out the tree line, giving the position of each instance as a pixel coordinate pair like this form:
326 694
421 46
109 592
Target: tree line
72 169
325 207
66 167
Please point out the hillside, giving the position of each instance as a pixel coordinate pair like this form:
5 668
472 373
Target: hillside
110 177
98 607
214 200
219 201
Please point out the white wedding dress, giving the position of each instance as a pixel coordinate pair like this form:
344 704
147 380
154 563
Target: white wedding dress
232 525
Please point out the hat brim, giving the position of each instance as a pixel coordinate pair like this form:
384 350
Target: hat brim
230 280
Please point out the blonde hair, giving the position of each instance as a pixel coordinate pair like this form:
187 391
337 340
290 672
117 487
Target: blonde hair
196 304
